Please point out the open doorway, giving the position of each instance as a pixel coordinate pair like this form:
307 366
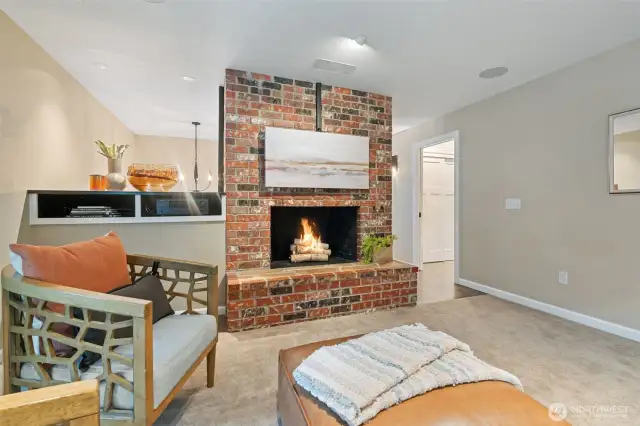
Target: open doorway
436 216
437 219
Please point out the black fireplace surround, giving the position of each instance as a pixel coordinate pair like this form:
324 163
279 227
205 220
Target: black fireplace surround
337 226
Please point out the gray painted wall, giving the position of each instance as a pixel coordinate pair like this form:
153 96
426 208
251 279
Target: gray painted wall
546 143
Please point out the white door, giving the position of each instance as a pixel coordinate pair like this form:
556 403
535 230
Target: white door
437 221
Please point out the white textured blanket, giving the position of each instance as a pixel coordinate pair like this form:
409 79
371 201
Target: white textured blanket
361 377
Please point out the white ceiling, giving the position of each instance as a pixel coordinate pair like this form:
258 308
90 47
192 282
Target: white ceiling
426 54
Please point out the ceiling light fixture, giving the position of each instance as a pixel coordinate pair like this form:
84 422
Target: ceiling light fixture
155 1
196 174
496 72
187 78
361 40
100 65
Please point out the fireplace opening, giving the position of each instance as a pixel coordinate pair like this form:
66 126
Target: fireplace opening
305 236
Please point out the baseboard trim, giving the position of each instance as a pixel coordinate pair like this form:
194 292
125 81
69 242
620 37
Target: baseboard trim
597 323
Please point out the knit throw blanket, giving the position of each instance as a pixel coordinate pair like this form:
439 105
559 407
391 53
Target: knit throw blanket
361 377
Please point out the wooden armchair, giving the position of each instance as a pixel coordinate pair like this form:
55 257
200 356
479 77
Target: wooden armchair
130 393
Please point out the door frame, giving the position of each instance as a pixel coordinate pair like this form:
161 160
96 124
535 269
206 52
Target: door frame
416 168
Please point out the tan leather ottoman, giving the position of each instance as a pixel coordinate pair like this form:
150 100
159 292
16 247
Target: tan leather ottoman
486 403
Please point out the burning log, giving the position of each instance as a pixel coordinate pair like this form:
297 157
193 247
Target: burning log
310 257
299 242
309 247
305 250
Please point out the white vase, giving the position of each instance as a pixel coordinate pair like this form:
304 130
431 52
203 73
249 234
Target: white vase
116 181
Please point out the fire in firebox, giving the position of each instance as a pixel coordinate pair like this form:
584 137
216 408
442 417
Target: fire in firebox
309 247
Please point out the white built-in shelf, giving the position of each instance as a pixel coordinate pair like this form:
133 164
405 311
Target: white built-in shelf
59 201
103 220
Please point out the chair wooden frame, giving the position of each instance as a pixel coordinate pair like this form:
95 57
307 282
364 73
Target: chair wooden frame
25 300
75 404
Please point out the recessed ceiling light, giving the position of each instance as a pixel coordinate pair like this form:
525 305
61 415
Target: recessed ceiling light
100 65
493 72
155 1
187 78
361 40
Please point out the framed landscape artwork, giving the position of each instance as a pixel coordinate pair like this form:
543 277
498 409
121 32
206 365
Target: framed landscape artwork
306 159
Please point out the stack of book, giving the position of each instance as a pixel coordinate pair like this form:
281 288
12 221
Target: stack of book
94 211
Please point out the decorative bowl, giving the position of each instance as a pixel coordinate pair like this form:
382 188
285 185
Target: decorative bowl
152 177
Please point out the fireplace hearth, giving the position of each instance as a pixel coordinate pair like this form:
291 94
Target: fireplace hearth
302 236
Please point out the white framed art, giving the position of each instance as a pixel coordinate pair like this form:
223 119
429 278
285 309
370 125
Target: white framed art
307 159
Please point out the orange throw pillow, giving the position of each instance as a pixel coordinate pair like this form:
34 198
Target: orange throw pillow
97 265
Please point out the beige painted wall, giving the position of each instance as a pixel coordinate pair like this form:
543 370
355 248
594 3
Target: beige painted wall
47 124
180 152
48 120
545 142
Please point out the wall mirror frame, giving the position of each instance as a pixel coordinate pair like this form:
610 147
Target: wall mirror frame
624 152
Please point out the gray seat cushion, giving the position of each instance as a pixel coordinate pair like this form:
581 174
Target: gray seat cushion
178 341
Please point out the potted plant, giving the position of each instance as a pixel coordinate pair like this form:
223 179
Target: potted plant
116 181
377 248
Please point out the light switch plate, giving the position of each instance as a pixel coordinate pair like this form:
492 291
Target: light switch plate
512 204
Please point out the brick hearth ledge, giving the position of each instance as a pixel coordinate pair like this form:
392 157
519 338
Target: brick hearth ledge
266 297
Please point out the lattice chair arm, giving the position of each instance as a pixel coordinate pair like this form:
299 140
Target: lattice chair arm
182 265
182 279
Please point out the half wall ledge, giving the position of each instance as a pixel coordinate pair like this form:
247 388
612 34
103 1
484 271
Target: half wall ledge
259 298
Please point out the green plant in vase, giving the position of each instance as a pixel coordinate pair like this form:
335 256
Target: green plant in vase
373 245
116 181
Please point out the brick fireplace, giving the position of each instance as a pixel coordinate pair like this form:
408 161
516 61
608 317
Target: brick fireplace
258 296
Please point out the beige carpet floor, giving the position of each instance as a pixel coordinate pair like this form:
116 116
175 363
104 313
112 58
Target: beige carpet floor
556 360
